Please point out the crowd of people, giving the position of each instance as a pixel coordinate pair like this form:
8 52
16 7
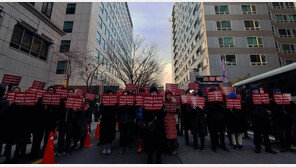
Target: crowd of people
153 131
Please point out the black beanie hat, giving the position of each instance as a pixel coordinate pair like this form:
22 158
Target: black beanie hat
153 89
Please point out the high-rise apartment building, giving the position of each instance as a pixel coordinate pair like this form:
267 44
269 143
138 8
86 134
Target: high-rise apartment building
207 36
97 29
283 21
30 33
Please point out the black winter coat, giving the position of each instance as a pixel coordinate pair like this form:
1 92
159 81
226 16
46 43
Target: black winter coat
107 123
198 122
236 121
185 108
126 114
4 108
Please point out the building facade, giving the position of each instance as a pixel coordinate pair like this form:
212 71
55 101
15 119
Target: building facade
208 37
97 29
283 21
29 37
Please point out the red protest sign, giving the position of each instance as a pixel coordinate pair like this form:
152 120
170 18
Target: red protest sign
74 102
10 97
178 99
51 99
11 80
120 91
126 100
131 87
197 101
193 86
25 98
282 99
140 100
160 92
185 99
62 92
38 84
259 98
172 87
233 103
37 91
90 96
214 96
171 107
181 91
109 100
226 90
78 92
152 102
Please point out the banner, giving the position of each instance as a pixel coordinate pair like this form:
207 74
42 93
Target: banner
131 87
193 86
109 100
197 101
51 99
78 92
234 103
172 87
90 96
226 90
259 98
25 98
120 91
178 99
126 100
185 99
11 80
37 91
181 92
10 97
282 99
140 100
62 92
171 107
74 102
153 102
214 96
38 84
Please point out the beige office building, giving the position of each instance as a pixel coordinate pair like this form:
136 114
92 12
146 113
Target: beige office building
29 37
239 33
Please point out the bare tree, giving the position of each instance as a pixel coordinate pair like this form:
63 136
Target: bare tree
138 64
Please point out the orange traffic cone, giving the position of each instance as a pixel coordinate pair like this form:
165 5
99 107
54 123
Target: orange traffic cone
48 157
55 135
97 135
87 139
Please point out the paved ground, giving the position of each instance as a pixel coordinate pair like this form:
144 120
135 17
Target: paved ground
187 155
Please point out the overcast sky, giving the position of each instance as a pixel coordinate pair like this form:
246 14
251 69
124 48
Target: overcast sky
151 20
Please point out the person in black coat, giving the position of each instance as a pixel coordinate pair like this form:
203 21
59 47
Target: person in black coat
107 115
236 123
282 122
261 123
198 125
216 123
185 118
4 109
154 137
125 117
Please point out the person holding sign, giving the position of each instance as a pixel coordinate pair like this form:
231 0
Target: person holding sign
4 109
170 122
282 112
198 124
139 121
154 131
107 115
185 116
260 122
215 111
125 117
236 121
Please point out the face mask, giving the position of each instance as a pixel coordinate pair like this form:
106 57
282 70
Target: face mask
255 91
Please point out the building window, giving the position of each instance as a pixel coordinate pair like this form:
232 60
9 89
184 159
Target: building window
102 6
71 8
285 18
288 48
252 25
289 61
61 67
104 29
103 44
226 42
98 38
47 8
68 26
278 4
280 17
223 25
292 18
65 46
258 59
32 3
249 9
100 22
255 41
289 4
221 9
230 59
28 42
105 14
284 33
